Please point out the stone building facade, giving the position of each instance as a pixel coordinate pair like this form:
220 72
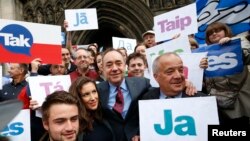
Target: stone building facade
119 18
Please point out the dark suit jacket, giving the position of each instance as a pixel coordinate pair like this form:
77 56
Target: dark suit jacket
45 69
124 129
154 93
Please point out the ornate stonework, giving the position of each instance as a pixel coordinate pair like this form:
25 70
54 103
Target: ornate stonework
122 18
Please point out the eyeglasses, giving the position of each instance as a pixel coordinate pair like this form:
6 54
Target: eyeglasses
80 57
211 32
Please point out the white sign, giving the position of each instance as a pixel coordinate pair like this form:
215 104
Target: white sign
82 46
1 78
179 45
19 128
42 86
182 20
128 44
81 19
178 119
192 70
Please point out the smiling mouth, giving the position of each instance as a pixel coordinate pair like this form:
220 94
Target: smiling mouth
70 135
93 104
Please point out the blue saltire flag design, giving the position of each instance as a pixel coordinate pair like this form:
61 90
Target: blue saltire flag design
235 13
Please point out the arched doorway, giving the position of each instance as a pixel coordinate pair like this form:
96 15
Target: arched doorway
118 18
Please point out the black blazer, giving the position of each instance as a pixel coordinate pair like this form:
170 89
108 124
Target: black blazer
45 69
124 129
154 93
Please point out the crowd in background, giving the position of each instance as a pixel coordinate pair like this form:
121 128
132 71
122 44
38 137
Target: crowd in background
99 77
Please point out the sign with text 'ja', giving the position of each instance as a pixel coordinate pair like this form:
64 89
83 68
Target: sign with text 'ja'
177 119
182 20
81 19
128 44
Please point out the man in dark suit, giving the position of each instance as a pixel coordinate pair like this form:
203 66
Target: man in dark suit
126 123
168 72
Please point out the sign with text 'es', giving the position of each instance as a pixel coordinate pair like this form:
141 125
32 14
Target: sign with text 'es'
21 42
81 19
177 119
182 20
223 59
18 129
42 86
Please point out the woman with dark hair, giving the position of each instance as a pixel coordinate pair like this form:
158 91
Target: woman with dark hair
140 48
93 125
233 99
98 66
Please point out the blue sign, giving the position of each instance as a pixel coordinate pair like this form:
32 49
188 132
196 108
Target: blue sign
16 39
235 13
63 38
223 59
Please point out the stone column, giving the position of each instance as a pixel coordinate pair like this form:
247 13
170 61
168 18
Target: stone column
13 10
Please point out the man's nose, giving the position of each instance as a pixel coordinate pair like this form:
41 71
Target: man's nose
69 125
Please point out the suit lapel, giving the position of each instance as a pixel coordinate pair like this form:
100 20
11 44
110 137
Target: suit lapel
133 93
155 94
104 94
131 88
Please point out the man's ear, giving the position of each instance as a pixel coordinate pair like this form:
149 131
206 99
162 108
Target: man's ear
46 125
50 69
155 76
21 70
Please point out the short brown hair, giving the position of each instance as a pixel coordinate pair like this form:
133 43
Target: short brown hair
57 97
134 56
217 25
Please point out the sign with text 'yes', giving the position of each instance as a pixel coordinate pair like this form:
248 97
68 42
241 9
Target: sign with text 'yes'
128 44
42 86
178 119
18 128
81 19
22 42
223 59
182 20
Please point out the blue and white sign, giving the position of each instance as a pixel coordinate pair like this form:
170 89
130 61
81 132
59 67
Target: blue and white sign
81 19
235 13
223 59
178 119
19 128
63 38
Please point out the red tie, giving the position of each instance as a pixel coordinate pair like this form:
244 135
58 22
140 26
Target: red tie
119 103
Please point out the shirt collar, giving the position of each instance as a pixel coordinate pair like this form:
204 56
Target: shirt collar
163 96
23 83
123 86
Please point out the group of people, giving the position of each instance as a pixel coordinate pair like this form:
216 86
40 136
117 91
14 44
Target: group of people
102 101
